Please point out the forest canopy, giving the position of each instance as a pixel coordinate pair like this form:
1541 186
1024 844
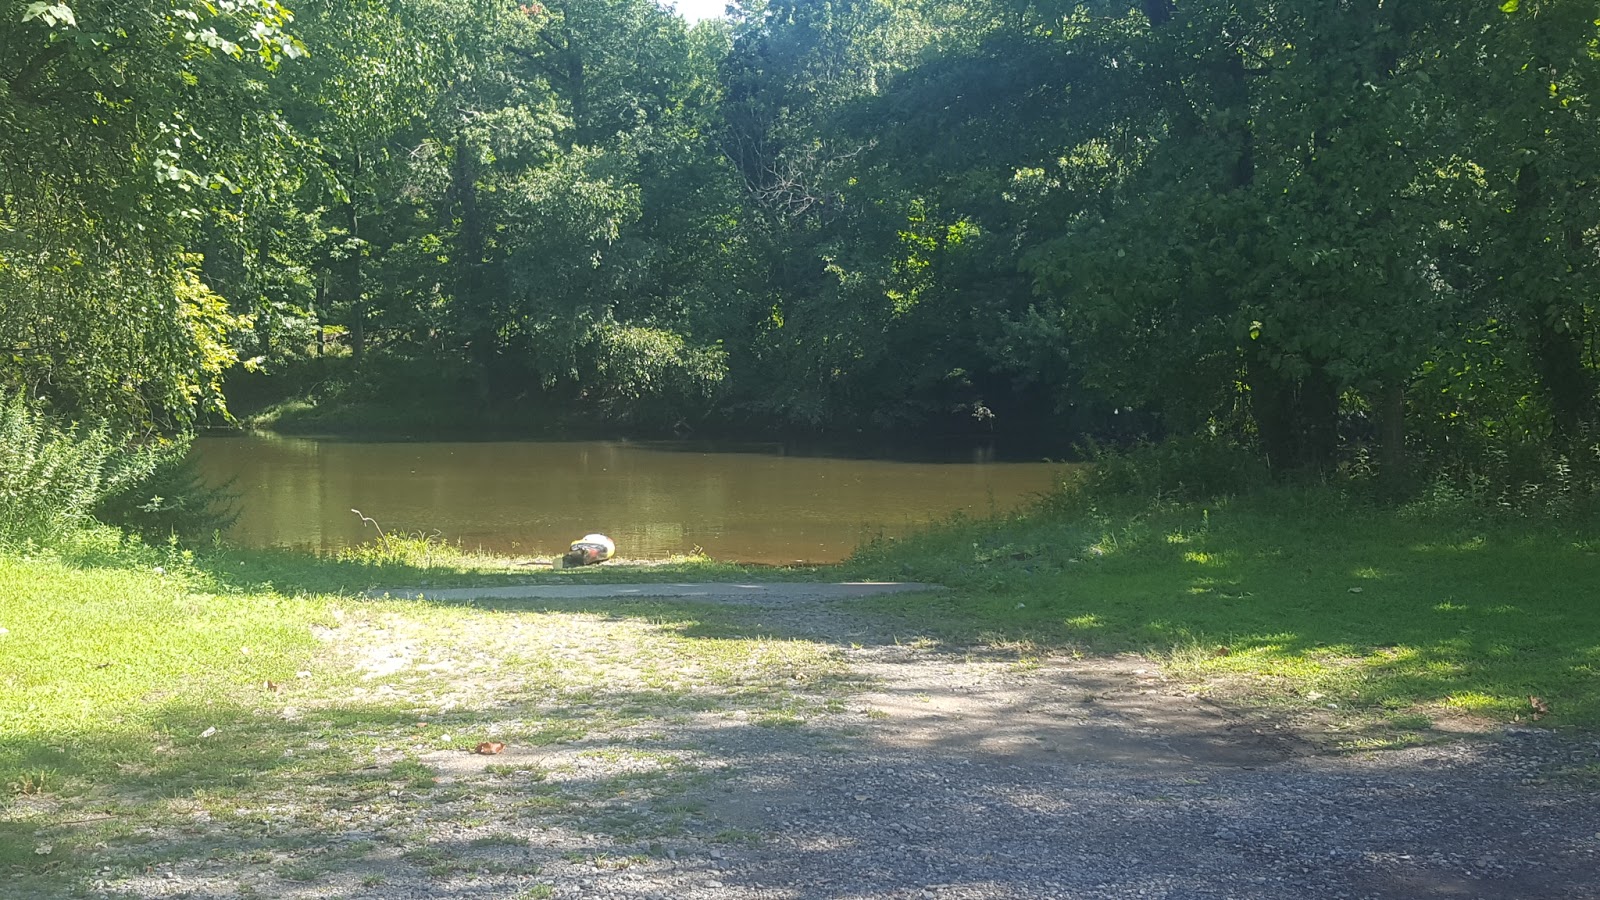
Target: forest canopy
1351 233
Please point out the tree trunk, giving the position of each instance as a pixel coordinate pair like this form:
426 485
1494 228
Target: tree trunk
263 302
1558 358
1317 414
1270 407
1557 351
358 304
353 285
322 304
1296 420
1392 434
471 248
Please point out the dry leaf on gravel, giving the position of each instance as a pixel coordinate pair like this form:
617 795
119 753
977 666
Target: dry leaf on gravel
1540 708
490 748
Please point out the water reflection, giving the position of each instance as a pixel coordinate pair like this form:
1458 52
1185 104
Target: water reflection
529 498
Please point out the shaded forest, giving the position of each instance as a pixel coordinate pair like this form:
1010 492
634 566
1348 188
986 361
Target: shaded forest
1359 234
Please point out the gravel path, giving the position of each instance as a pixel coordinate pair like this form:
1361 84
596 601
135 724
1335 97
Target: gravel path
770 594
928 774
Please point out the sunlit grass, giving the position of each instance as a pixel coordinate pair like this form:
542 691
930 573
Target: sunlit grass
1282 596
264 696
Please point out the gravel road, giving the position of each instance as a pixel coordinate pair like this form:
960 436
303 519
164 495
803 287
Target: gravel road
960 776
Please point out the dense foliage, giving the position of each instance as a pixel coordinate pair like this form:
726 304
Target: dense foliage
1358 233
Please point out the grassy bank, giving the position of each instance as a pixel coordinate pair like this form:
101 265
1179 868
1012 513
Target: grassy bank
155 705
1308 599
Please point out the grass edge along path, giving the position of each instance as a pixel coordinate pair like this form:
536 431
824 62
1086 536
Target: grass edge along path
1304 598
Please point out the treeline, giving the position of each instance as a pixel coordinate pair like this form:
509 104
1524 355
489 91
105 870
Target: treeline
1360 233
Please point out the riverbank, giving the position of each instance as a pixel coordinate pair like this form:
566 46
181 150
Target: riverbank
389 398
204 721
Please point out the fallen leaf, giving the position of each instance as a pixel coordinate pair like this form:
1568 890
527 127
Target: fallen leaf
1540 708
1355 590
490 748
272 686
209 732
1221 651
44 849
302 674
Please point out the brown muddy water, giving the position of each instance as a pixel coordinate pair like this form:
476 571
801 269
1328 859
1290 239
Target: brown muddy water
529 498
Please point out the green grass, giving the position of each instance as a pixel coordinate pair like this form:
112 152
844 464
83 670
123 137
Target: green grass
415 564
1304 597
145 689
157 705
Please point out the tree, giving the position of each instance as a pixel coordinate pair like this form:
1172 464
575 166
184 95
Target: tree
116 124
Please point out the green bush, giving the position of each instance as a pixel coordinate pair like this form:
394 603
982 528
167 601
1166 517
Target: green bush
171 499
53 476
1186 468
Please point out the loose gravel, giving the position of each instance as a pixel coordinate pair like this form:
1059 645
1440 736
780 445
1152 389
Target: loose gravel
939 775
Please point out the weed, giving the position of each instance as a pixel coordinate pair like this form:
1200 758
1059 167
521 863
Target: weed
417 550
30 784
498 839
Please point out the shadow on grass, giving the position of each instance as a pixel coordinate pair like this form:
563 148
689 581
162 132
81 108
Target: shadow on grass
255 571
1387 609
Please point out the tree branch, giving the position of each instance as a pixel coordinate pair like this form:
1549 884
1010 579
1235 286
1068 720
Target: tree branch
35 67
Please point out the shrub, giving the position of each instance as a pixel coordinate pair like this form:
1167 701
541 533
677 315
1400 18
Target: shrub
1187 468
171 499
53 476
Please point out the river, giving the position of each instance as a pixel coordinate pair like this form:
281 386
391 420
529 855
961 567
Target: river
528 498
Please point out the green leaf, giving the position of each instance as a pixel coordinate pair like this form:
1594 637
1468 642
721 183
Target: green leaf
1510 6
51 14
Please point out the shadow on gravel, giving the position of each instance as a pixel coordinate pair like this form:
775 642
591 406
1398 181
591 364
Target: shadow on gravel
362 801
